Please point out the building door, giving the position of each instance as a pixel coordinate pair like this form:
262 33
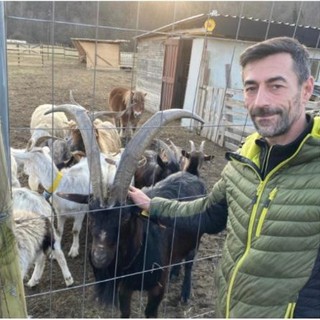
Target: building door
175 73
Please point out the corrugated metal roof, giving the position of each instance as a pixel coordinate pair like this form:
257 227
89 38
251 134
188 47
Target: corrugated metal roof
240 28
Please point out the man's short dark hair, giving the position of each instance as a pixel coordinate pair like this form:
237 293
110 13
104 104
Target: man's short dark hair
298 52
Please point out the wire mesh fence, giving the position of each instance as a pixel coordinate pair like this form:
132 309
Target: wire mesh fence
45 74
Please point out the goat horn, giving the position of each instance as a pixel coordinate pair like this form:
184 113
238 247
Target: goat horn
193 148
72 98
202 146
136 146
82 118
45 138
176 150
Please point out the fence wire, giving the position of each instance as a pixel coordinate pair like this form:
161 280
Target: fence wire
51 62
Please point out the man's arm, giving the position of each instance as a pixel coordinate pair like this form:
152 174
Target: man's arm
207 214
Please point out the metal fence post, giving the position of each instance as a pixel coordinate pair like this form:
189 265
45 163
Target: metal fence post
4 110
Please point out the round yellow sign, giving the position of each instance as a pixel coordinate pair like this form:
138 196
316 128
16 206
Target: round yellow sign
209 24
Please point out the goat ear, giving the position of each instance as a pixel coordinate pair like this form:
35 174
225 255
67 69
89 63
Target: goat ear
78 155
110 161
31 143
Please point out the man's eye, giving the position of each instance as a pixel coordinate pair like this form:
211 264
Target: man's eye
250 89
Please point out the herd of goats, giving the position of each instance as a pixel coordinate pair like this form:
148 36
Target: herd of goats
83 168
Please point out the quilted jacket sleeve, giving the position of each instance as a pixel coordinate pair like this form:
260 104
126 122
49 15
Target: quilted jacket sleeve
207 214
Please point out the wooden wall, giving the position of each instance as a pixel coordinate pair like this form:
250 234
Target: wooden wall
149 71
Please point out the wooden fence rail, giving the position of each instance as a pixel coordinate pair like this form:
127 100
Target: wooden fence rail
38 54
22 52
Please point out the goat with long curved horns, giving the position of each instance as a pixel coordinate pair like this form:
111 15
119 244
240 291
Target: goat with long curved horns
129 252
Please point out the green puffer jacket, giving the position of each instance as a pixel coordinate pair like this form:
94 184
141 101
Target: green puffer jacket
273 229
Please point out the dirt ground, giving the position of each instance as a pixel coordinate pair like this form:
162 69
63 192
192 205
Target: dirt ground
31 85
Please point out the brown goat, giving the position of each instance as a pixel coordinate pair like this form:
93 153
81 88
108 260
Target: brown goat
121 99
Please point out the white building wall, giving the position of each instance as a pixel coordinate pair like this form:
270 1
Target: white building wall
192 83
223 68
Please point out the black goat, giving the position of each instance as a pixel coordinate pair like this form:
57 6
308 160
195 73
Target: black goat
152 168
138 253
190 161
128 252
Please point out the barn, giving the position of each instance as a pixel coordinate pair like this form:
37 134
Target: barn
193 64
98 54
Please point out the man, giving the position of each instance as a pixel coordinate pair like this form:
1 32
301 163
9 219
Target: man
270 266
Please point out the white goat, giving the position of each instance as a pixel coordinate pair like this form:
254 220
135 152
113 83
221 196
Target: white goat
42 124
33 181
14 173
75 179
45 125
25 200
35 239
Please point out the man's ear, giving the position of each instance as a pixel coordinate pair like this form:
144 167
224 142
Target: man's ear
307 89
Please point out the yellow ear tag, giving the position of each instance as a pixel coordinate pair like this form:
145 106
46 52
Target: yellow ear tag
145 213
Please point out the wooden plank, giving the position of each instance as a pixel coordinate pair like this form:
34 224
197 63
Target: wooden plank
234 136
231 146
219 124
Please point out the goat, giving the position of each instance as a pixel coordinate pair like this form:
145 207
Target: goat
132 102
106 134
152 168
195 158
14 173
127 252
45 125
42 124
38 163
190 162
184 157
36 235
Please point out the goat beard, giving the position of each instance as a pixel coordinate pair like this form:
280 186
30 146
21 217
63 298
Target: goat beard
106 286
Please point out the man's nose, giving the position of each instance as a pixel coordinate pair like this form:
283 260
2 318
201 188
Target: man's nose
262 97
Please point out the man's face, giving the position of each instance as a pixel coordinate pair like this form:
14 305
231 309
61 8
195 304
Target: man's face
272 94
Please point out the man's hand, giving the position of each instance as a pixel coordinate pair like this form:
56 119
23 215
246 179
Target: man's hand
139 198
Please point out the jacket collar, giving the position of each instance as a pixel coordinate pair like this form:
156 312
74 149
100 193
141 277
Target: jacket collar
251 149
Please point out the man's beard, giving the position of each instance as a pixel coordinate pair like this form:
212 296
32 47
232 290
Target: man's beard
284 118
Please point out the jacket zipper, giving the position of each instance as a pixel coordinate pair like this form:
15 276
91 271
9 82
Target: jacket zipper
250 231
290 310
265 210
